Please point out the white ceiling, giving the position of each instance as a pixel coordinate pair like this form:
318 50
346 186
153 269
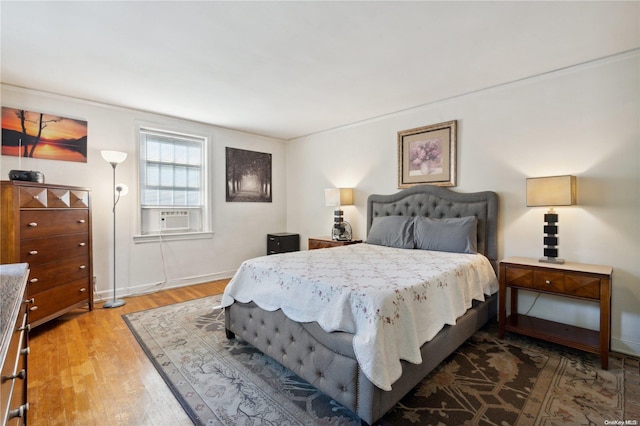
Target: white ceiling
287 69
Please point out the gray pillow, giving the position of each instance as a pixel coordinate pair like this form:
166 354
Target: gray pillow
457 235
392 231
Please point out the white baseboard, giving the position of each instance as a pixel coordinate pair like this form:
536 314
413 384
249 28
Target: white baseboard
625 346
141 289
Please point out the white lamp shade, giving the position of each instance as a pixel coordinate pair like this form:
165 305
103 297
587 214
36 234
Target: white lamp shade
112 157
338 197
551 191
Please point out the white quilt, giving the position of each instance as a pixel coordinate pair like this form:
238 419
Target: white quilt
392 300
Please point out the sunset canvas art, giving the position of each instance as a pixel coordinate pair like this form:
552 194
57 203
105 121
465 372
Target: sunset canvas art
38 135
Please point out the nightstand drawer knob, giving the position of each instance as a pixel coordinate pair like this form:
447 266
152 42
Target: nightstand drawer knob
82 244
81 221
548 282
33 280
83 266
33 224
33 252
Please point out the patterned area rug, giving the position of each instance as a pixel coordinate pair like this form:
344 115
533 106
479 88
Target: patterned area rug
488 381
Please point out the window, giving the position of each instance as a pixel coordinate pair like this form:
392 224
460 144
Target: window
172 182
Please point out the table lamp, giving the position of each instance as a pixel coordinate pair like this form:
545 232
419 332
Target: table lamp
550 192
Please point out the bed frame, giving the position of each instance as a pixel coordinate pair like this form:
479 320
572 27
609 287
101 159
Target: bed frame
327 360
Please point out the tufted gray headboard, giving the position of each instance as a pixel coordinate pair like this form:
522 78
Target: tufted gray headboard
438 202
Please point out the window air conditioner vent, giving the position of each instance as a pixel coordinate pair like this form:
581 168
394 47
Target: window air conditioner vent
174 220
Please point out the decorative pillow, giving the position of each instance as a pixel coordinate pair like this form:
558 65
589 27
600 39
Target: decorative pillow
457 235
392 231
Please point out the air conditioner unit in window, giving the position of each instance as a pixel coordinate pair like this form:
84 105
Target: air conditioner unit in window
174 220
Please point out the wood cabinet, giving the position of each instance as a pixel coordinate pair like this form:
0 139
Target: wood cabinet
14 346
282 242
49 227
327 242
572 280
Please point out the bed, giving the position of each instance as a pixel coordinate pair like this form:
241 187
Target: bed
364 355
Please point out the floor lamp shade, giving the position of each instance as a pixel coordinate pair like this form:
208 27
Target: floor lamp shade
114 158
550 192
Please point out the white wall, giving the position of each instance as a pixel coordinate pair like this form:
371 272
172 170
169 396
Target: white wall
582 121
239 228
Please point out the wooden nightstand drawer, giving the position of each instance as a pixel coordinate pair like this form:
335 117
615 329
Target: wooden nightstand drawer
519 277
582 285
548 281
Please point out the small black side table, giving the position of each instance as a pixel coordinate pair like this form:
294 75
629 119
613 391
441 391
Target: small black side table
282 242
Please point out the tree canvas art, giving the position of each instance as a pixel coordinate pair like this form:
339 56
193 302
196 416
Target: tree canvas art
248 176
38 135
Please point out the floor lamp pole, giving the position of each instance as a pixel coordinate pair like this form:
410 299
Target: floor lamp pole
115 302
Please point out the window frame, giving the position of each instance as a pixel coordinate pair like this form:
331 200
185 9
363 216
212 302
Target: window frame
206 209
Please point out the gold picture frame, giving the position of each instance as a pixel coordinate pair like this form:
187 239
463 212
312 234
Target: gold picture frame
427 155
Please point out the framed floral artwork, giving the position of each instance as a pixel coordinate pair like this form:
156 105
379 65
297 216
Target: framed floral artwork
427 155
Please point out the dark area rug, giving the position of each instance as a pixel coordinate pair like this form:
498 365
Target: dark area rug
515 381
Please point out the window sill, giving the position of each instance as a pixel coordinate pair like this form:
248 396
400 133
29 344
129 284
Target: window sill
174 236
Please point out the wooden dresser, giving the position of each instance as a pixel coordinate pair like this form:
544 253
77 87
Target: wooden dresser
14 344
49 227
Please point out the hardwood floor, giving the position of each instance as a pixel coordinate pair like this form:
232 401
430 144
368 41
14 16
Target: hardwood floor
86 368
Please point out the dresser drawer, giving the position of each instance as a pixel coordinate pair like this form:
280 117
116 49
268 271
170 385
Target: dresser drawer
44 223
12 389
42 197
50 302
53 274
36 251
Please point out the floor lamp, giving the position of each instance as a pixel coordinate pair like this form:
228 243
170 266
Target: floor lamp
114 158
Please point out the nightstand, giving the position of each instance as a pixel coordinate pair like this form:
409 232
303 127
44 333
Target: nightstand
571 280
282 242
326 242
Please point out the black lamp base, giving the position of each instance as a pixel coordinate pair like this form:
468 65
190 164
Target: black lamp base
551 239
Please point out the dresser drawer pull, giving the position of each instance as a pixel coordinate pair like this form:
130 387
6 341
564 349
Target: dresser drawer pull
33 280
32 300
33 308
18 412
82 244
22 374
81 221
33 224
82 290
25 351
33 252
82 266
548 282
26 327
